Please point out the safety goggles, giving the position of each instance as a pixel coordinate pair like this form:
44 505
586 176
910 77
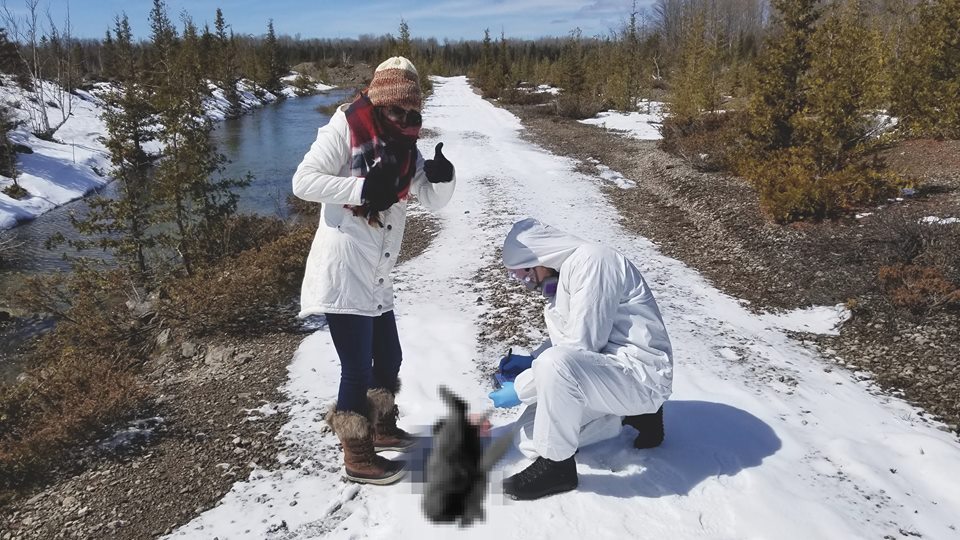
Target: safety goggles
526 276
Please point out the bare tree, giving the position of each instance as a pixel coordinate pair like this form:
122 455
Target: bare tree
26 31
61 48
8 244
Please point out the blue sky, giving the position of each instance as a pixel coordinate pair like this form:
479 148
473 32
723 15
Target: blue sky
453 19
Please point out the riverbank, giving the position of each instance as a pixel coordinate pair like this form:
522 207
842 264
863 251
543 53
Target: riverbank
74 162
213 420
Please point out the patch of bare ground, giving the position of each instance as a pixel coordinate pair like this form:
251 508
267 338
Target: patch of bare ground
206 430
215 415
712 222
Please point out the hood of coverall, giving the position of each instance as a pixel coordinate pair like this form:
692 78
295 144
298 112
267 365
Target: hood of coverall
531 243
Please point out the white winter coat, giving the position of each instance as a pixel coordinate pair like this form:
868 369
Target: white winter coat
609 354
348 269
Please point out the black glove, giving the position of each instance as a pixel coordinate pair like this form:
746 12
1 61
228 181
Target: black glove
380 187
438 169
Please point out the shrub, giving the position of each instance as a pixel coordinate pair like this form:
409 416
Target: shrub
84 377
15 191
707 143
251 292
921 289
524 96
303 208
922 271
72 397
579 107
791 185
238 233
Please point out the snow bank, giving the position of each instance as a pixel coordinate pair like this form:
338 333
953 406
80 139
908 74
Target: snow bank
547 89
824 320
612 176
643 125
934 220
74 163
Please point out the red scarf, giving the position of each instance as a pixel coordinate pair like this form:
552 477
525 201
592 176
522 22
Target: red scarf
373 138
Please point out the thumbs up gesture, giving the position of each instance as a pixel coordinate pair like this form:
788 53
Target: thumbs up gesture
439 169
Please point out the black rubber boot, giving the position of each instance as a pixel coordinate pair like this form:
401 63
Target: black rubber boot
650 428
543 477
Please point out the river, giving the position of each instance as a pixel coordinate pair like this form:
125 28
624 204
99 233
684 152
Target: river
268 143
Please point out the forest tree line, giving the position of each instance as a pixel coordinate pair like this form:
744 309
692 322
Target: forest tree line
761 88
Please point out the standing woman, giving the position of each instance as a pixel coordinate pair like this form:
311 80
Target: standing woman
363 167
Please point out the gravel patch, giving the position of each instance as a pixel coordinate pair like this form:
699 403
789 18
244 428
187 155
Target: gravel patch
217 412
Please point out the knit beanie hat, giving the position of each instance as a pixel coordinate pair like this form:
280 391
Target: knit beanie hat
395 83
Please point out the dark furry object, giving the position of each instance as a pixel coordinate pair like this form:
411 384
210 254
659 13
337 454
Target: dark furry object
458 467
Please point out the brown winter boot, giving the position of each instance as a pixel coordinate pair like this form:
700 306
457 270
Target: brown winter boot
362 464
383 416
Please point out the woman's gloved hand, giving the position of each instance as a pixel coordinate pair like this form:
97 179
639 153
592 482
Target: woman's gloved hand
438 170
505 397
379 190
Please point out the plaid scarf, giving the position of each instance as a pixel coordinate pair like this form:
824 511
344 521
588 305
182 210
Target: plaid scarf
374 138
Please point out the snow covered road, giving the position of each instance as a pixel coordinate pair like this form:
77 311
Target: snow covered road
764 439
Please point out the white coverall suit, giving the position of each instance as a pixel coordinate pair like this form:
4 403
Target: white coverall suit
609 355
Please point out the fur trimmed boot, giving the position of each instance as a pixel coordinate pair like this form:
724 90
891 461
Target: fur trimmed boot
362 464
383 416
649 428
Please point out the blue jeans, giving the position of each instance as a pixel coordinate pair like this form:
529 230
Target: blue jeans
370 356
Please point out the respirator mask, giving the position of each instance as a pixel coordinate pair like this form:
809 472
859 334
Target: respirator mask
547 286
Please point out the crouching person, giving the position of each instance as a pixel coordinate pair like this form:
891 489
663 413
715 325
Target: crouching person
363 166
608 361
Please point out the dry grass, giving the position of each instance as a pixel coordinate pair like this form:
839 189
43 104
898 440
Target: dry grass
84 375
14 191
87 371
251 292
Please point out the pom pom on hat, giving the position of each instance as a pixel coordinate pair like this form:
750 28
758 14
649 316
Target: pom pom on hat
395 83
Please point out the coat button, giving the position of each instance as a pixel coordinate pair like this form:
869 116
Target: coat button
387 254
381 281
379 306
389 227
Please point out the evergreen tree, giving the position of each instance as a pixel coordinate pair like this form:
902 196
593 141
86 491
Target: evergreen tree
187 196
929 72
163 43
8 157
779 97
572 79
503 75
487 67
841 83
225 72
271 68
695 85
207 53
403 47
122 225
625 67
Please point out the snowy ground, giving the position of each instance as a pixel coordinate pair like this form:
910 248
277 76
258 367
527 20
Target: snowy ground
643 124
764 439
58 171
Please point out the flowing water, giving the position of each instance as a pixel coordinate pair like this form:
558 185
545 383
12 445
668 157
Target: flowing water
268 144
